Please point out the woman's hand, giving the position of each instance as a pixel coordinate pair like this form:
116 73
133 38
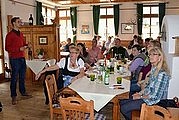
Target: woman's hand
136 96
74 78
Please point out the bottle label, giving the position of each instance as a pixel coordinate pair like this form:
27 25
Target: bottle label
30 21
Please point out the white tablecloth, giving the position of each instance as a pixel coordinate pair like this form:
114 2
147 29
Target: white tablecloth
36 65
98 92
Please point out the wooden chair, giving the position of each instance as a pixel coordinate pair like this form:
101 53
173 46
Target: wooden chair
52 90
53 95
74 108
154 112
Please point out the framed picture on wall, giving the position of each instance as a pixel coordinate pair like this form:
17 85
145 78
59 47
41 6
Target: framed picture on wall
127 28
43 40
85 29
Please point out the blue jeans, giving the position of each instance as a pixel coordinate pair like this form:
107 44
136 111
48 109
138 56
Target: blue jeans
18 67
128 105
133 87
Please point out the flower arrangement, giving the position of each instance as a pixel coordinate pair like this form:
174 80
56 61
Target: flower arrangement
40 51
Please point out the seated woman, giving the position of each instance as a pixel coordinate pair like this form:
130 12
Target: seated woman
94 53
156 89
71 68
84 54
143 76
140 60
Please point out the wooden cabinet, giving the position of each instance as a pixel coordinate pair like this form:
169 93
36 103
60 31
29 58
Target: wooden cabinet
42 37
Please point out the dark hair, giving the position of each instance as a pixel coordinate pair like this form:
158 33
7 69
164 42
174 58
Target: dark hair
85 53
135 36
139 48
117 39
156 43
147 39
72 44
14 19
95 40
69 39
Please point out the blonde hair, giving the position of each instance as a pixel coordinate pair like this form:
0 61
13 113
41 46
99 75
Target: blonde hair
162 64
75 48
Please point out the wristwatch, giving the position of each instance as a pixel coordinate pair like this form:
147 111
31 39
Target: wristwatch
141 96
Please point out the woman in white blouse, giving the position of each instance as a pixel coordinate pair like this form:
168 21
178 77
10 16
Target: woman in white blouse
72 67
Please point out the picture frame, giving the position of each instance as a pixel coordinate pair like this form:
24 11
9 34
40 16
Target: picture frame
127 28
43 40
85 29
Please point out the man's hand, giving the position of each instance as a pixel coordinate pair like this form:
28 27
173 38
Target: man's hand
23 48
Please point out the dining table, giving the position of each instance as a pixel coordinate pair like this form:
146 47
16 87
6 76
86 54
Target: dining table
37 65
102 94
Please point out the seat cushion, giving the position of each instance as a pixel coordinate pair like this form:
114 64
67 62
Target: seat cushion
97 116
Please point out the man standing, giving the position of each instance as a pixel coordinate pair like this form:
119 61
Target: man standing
66 47
15 45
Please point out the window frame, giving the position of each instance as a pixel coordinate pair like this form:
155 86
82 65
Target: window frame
106 17
150 16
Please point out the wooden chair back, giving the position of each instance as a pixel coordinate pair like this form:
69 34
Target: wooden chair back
51 86
75 108
154 112
54 94
51 90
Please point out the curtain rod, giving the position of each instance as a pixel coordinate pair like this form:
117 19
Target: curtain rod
105 4
147 3
13 2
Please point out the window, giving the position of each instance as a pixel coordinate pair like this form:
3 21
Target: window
65 22
106 23
48 14
150 26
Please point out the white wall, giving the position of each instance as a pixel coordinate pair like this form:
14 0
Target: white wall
84 18
21 10
171 23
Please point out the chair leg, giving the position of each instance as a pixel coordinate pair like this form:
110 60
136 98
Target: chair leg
51 115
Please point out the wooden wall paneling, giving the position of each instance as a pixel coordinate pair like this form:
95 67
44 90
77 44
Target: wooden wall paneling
32 34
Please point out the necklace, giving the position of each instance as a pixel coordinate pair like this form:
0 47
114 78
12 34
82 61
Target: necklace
73 64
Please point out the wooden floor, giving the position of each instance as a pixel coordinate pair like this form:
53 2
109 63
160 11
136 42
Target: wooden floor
31 108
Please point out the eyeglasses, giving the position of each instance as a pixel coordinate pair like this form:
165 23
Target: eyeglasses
73 53
153 54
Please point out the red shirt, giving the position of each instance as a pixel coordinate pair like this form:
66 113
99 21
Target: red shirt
13 43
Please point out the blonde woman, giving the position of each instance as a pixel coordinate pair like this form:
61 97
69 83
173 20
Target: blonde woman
156 89
72 67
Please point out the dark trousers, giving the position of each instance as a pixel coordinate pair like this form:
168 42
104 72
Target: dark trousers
18 67
133 88
128 105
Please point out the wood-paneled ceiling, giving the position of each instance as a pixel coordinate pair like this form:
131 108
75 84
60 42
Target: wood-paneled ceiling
71 2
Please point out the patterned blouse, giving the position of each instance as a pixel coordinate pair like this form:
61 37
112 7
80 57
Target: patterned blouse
157 87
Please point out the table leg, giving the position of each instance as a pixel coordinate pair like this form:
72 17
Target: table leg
116 105
116 115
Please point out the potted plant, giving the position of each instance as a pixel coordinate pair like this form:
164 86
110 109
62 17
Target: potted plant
40 53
